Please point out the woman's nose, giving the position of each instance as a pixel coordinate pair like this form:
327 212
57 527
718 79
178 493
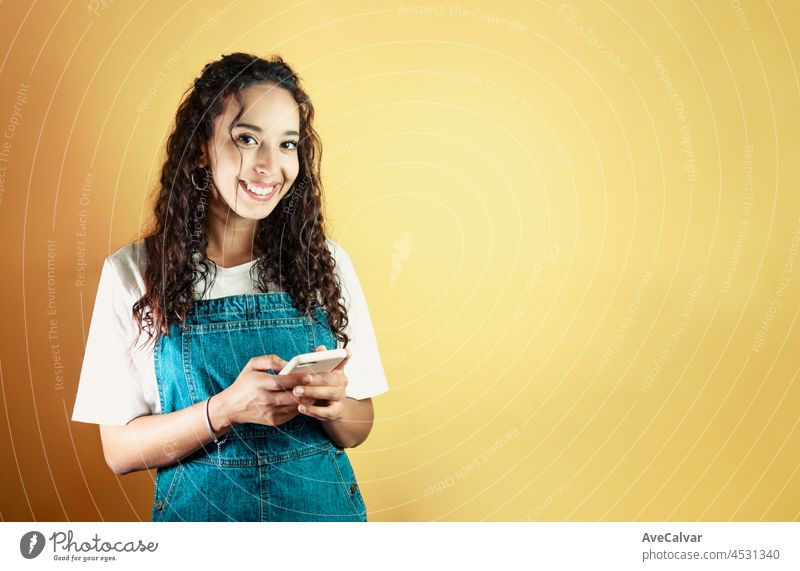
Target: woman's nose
266 162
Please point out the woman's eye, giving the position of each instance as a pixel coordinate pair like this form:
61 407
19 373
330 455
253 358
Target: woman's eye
247 138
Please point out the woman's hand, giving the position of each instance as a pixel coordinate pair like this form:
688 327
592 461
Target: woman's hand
325 390
259 397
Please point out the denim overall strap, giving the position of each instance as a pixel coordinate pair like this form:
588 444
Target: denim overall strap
290 472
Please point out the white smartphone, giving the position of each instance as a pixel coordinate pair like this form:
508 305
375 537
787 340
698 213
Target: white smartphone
315 362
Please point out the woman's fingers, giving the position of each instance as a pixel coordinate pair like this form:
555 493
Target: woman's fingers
266 362
278 399
326 392
331 410
285 382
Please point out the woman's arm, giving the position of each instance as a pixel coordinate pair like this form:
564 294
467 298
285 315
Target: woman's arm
156 440
355 424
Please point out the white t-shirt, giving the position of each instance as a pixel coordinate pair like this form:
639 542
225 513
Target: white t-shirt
117 383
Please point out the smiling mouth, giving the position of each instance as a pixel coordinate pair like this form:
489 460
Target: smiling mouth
259 192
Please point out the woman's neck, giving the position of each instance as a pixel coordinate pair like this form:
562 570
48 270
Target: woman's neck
228 257
231 240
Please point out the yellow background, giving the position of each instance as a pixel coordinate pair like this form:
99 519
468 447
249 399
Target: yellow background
576 226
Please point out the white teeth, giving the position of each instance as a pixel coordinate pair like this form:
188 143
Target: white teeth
258 191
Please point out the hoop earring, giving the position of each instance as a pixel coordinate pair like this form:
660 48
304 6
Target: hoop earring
206 179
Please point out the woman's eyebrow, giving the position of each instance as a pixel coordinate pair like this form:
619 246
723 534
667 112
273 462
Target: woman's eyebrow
258 129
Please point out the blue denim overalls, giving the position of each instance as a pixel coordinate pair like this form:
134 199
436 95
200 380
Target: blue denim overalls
290 472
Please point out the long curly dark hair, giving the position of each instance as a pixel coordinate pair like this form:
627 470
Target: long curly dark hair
290 241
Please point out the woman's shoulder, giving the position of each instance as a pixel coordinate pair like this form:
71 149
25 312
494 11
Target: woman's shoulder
332 246
128 263
337 251
344 266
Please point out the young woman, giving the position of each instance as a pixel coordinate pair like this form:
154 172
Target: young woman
192 324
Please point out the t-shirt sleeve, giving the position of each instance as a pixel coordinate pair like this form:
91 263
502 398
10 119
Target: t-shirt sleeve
110 388
364 370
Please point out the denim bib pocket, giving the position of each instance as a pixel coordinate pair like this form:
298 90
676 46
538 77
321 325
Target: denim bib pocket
348 480
166 480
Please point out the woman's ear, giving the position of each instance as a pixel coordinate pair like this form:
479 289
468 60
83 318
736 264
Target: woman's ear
203 162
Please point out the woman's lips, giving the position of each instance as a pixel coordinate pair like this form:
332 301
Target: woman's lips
258 197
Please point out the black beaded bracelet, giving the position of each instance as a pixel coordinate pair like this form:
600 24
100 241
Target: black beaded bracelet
216 440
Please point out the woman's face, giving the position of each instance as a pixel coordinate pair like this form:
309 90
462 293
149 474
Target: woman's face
256 168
